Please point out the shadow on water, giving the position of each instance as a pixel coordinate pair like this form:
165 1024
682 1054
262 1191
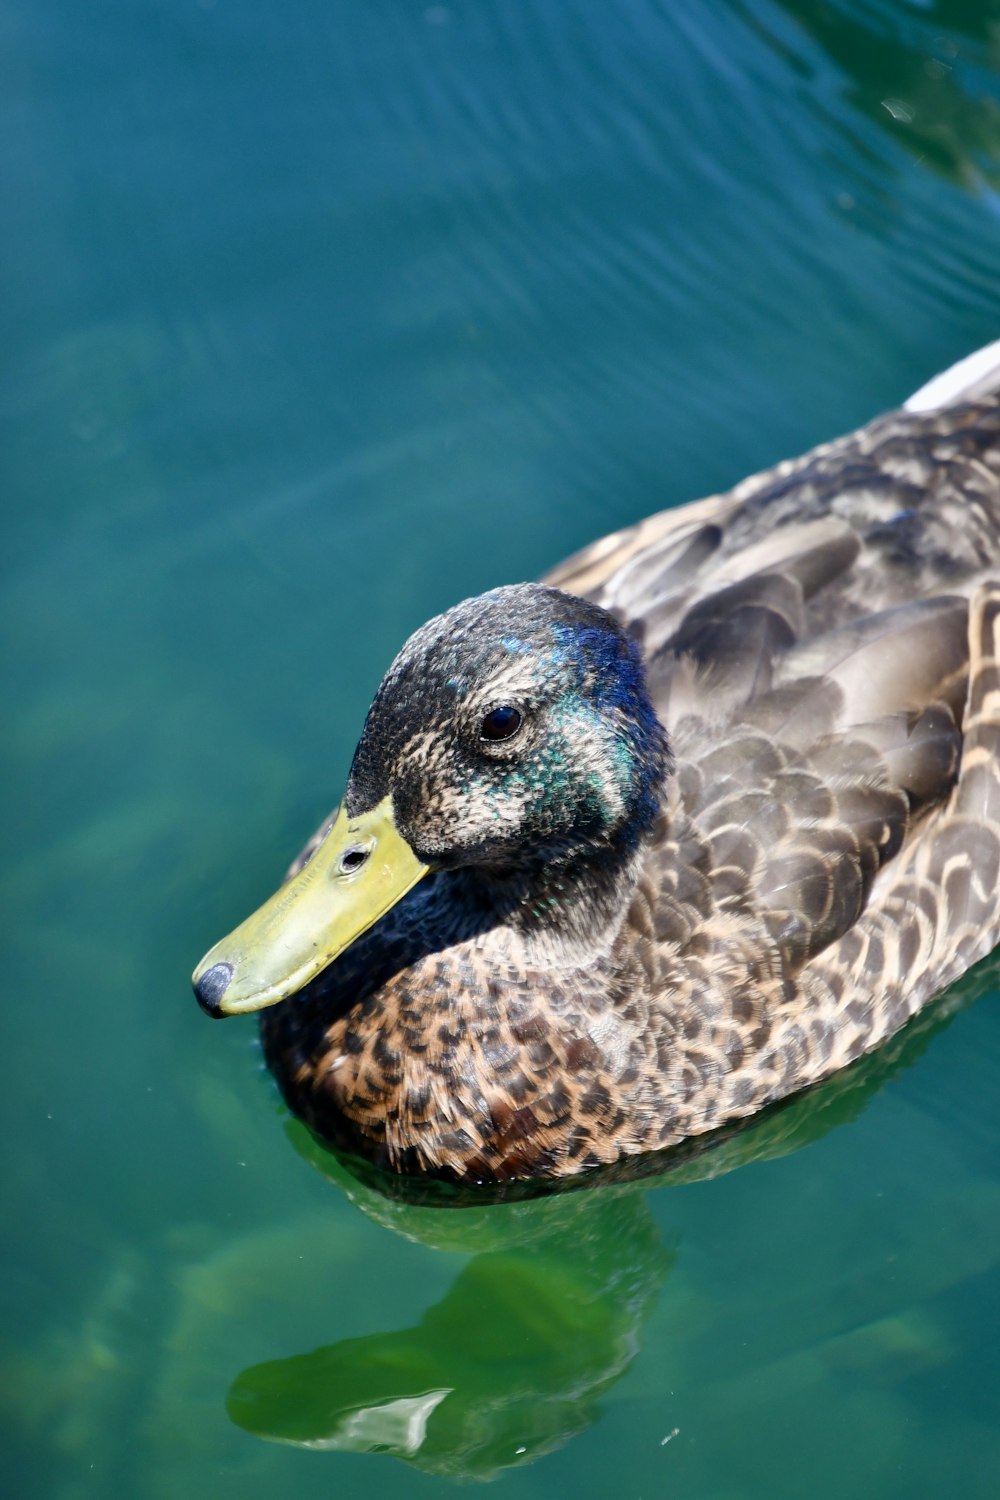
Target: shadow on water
512 1361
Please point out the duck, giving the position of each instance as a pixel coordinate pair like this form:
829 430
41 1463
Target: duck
629 854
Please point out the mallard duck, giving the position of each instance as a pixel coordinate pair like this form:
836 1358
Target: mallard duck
630 853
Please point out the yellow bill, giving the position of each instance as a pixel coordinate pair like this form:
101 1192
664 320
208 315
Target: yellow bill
362 868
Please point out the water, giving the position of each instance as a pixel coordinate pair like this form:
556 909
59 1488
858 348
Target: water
316 319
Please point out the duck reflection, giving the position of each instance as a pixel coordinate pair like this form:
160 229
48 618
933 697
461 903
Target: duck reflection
507 1366
549 1312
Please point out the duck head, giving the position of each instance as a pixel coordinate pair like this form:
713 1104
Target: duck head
512 737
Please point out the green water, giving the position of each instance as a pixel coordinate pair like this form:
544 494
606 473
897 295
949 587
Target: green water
315 319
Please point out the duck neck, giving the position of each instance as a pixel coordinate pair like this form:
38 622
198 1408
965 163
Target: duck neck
564 912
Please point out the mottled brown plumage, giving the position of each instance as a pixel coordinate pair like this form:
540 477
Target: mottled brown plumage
822 646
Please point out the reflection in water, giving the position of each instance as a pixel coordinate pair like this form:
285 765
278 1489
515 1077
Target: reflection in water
921 75
544 1318
506 1367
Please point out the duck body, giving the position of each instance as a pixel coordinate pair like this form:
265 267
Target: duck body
695 822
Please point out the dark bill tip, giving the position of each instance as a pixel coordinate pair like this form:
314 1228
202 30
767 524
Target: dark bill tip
211 987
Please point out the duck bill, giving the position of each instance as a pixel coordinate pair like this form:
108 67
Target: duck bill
362 868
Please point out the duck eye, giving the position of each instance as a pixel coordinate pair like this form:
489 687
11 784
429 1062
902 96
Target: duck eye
500 724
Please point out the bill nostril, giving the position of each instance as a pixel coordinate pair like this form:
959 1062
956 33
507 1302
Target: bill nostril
211 987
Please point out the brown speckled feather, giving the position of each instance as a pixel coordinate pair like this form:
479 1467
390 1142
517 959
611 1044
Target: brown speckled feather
823 647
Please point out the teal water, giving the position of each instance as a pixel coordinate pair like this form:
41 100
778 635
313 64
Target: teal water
316 319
